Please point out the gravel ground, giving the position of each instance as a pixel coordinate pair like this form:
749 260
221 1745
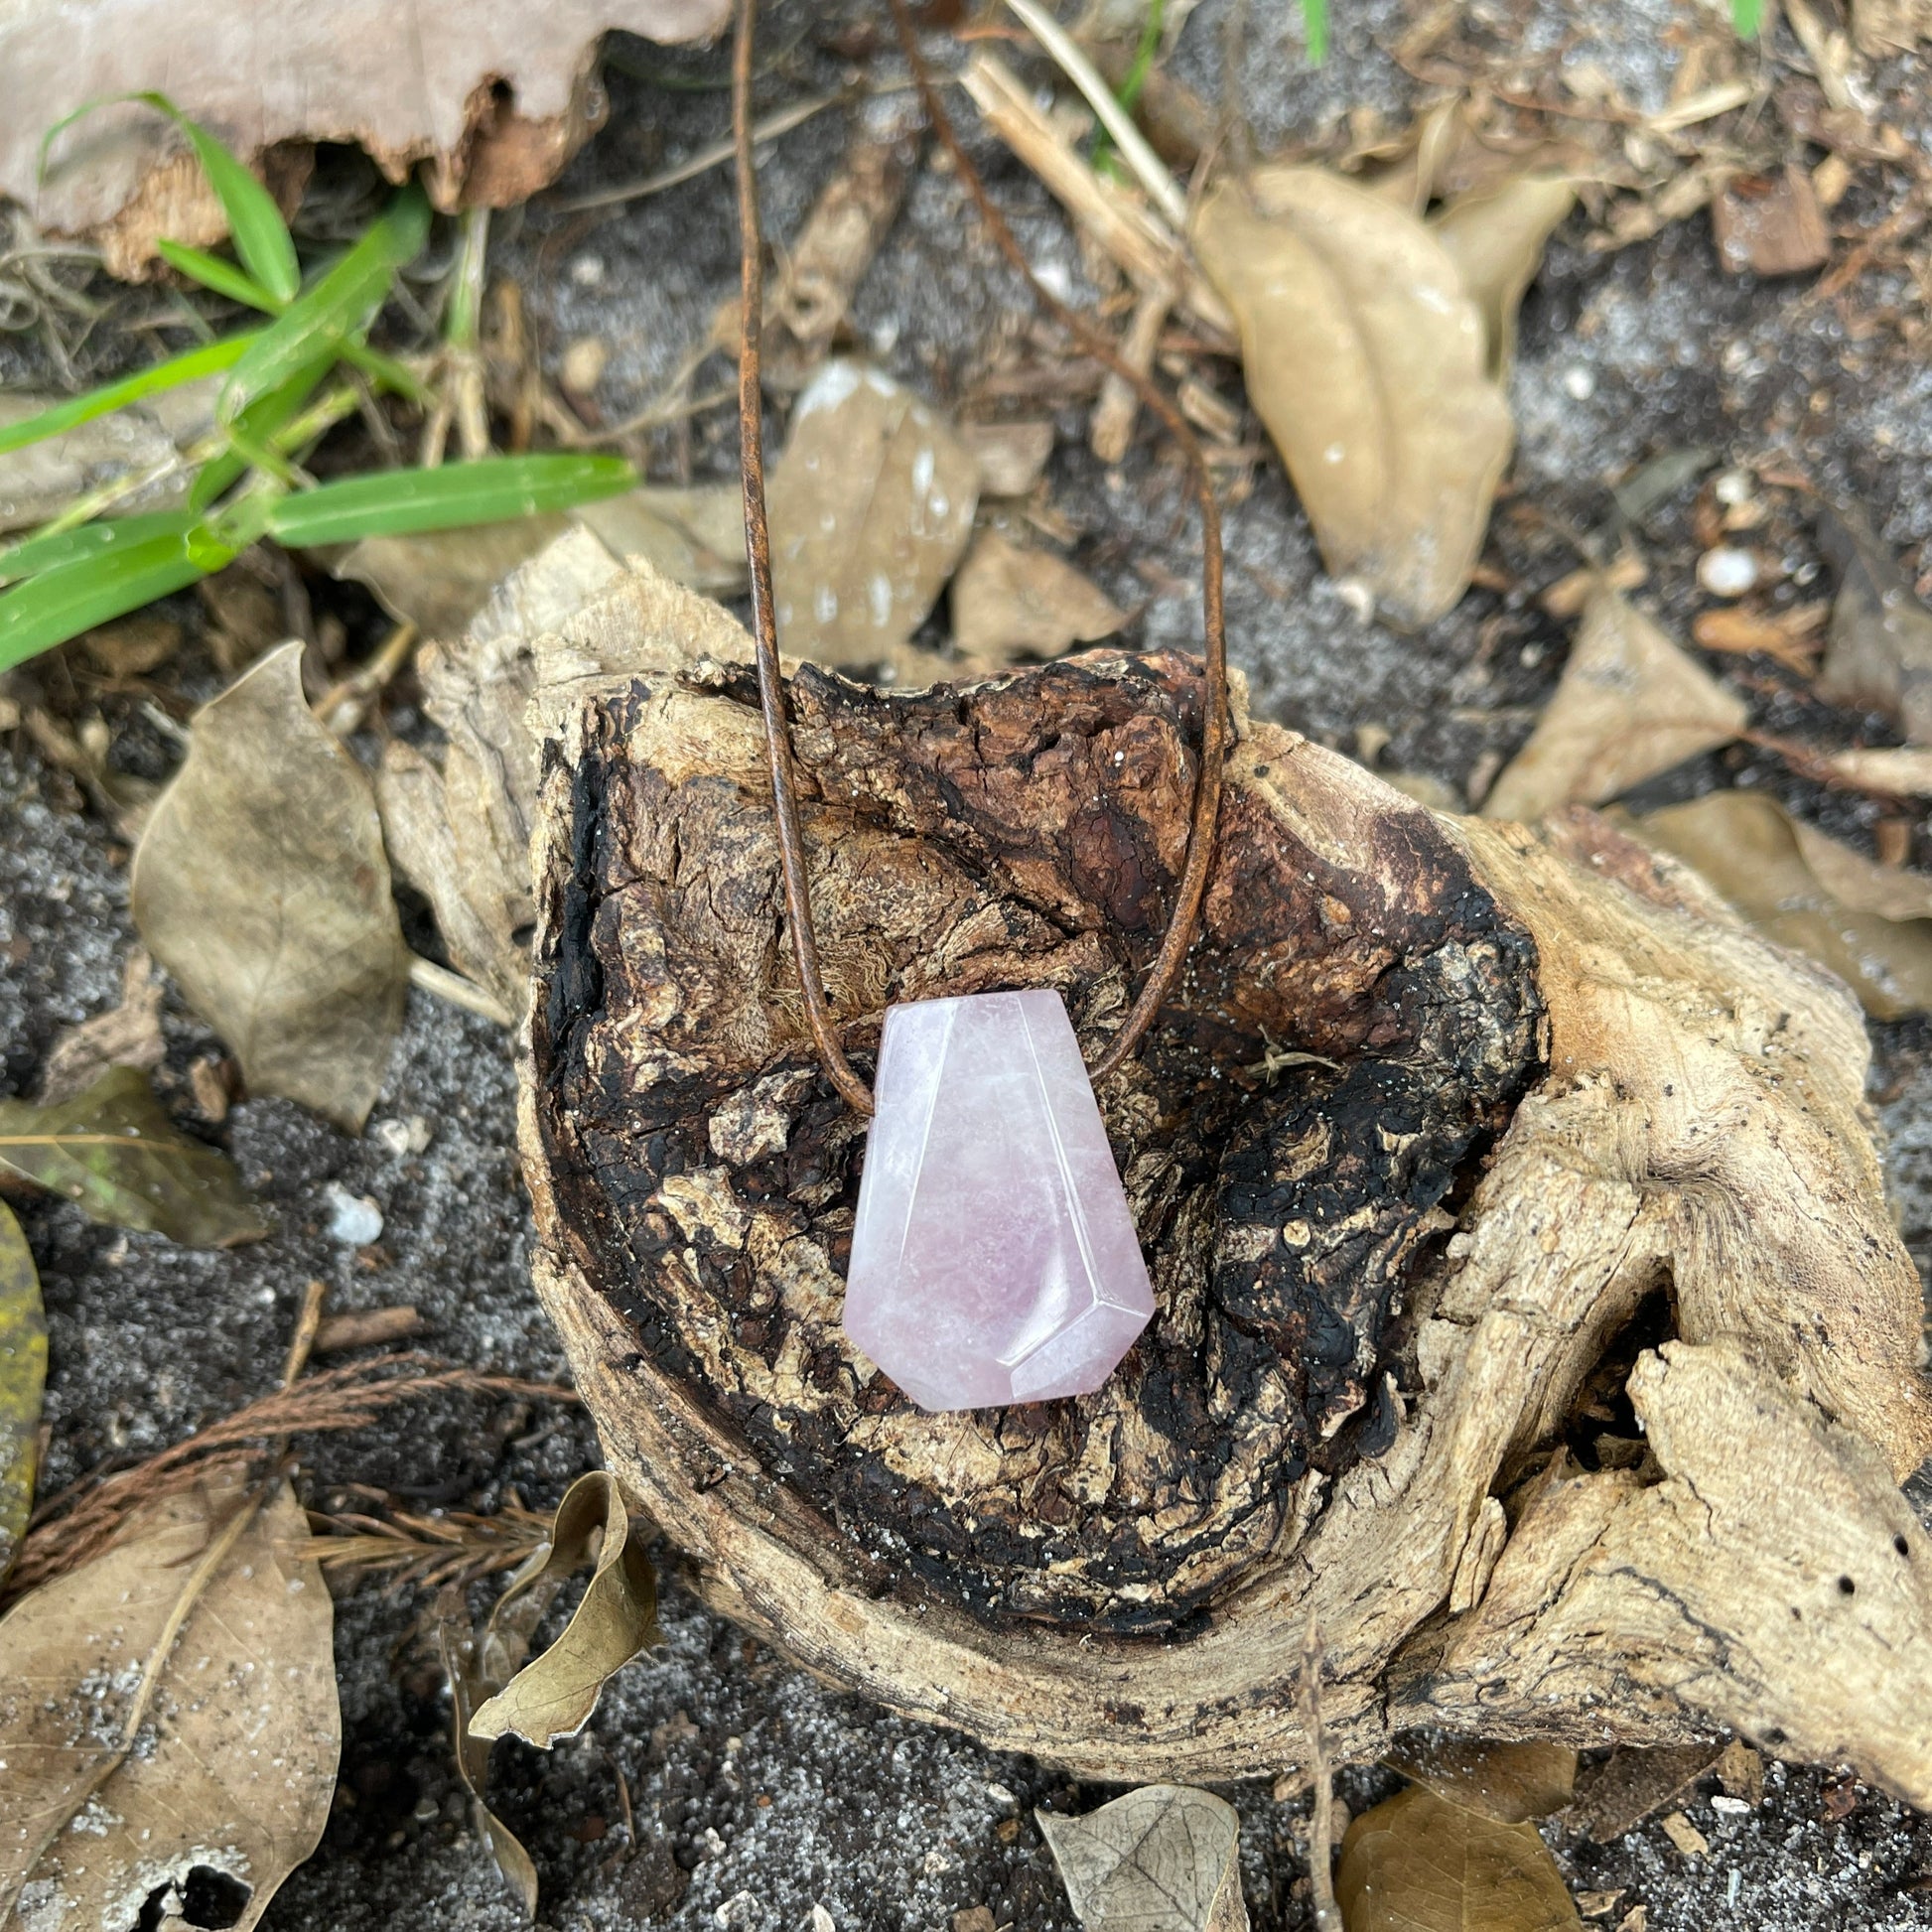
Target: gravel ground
753 1794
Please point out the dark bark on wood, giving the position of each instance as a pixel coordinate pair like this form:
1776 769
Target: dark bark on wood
1027 832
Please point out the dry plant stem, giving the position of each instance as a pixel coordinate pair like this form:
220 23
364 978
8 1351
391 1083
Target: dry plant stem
307 1324
1185 916
459 992
84 1519
1321 1815
765 623
1111 430
345 705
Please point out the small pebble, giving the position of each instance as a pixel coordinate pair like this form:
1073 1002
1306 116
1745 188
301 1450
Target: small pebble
1733 487
587 271
1726 571
401 1137
584 364
1580 384
353 1219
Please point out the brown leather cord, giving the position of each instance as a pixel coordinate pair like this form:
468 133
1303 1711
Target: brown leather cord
1192 889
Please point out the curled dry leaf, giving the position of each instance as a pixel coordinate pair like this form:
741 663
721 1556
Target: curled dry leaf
129 1035
263 886
1011 457
1879 649
1009 601
872 507
462 1669
1630 704
1511 1782
1162 1859
1496 237
201 1639
1421 1863
1368 361
440 580
493 96
554 1694
114 1152
1870 924
23 1378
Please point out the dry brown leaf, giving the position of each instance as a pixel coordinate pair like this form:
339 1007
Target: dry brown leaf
1905 769
1420 1864
1787 636
169 1710
127 1036
1879 652
554 1695
1496 237
42 478
23 1378
1367 361
829 257
494 96
440 581
1511 1782
872 507
1162 1859
1882 27
1630 704
1770 225
1011 457
1632 1784
262 885
462 1669
132 646
1872 925
1009 601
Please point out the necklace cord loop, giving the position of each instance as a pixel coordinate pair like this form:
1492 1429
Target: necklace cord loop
1215 723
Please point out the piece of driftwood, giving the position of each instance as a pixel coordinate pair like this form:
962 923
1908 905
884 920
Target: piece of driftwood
1528 1310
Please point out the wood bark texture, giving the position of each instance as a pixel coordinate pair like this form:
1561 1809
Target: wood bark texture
1528 1311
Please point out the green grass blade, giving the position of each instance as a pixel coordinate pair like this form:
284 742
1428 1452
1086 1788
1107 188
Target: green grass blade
1748 16
338 305
257 424
386 372
34 554
1314 19
73 597
225 278
400 502
261 237
213 358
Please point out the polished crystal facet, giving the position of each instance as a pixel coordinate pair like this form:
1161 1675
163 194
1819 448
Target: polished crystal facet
993 1259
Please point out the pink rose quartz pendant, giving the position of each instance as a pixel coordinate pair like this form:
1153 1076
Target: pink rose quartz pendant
993 1259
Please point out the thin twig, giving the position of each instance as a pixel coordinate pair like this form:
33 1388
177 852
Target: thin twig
1321 1816
701 163
302 1341
459 992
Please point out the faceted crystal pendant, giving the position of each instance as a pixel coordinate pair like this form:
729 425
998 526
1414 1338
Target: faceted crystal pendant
993 1259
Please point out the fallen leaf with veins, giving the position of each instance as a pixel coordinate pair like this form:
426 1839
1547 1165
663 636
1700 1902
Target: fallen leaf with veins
1422 1863
554 1695
1629 705
1162 1859
1633 1783
1368 361
871 509
1009 601
263 886
201 1639
1870 924
1513 1782
492 95
23 1379
1878 654
115 1153
128 1035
